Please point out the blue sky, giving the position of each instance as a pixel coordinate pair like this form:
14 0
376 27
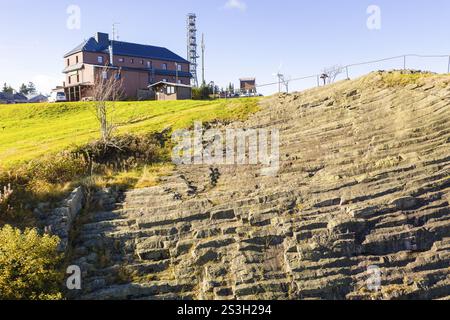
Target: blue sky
243 37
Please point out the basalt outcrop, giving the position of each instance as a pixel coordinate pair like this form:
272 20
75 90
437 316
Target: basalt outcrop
364 182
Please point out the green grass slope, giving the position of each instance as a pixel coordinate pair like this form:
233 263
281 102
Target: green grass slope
29 131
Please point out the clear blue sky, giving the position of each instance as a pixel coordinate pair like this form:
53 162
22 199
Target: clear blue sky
244 38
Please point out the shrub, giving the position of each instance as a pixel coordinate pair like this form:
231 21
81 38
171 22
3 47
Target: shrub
59 168
201 93
44 179
124 152
29 265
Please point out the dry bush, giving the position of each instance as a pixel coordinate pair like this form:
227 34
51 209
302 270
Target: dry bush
5 197
123 152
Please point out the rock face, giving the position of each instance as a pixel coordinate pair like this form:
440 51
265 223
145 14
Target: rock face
60 221
364 183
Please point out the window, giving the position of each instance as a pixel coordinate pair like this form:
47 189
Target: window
142 62
104 75
78 78
170 90
68 62
76 58
100 59
164 66
70 80
164 80
179 81
179 67
121 60
132 60
149 64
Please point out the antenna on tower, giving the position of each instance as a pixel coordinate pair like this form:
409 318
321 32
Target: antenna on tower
111 46
203 59
115 31
192 54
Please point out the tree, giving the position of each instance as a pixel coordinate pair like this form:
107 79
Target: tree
31 88
107 89
231 88
201 93
330 74
7 89
23 89
29 265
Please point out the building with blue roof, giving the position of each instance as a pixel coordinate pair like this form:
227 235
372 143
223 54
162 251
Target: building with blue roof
136 65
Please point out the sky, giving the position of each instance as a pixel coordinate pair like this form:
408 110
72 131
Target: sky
244 38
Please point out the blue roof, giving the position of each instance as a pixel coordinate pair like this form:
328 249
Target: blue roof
128 49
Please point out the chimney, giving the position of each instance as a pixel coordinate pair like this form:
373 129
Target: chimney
102 39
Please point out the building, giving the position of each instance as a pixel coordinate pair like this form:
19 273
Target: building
248 85
37 98
136 65
171 91
11 98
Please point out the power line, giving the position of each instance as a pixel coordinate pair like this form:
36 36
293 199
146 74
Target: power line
346 67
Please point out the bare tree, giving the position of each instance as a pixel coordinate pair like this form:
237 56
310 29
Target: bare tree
106 90
330 74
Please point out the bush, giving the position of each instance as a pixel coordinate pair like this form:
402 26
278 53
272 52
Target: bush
40 180
124 152
201 93
59 168
29 265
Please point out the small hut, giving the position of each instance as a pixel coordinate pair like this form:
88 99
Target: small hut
171 91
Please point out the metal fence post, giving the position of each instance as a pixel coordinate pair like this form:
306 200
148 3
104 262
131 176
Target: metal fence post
448 68
348 78
404 62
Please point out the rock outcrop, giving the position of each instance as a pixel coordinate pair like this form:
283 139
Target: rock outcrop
364 181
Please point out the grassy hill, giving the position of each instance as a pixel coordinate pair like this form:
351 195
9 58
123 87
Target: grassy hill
31 130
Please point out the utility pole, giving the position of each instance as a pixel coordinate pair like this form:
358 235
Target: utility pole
203 58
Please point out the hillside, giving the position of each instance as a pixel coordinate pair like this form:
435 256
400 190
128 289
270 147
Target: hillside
29 131
364 181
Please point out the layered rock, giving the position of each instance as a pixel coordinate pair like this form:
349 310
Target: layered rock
364 181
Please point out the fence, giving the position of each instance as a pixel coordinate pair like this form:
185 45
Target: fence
347 69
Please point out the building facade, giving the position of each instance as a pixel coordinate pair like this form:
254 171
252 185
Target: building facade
248 85
136 65
11 98
171 91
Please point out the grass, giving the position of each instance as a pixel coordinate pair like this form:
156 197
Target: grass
138 178
36 140
393 79
30 131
